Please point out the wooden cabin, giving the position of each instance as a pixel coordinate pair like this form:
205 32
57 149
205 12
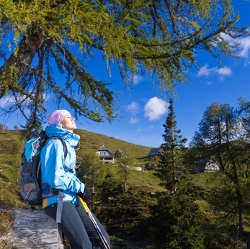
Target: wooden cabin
205 166
154 152
105 155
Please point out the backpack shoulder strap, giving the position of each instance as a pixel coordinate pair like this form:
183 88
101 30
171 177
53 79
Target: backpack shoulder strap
65 150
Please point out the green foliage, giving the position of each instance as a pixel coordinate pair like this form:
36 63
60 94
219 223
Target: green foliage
152 163
171 170
129 212
177 223
176 212
160 37
92 169
223 136
124 163
124 213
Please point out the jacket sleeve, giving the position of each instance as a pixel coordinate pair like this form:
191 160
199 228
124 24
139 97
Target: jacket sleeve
52 160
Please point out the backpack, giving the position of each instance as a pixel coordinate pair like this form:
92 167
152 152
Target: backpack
30 185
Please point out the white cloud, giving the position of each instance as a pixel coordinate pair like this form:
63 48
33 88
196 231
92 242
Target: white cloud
245 47
243 43
137 79
133 108
6 101
223 71
155 108
205 70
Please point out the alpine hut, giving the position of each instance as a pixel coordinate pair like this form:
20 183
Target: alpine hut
105 155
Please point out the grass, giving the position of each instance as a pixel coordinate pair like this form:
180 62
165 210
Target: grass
6 221
90 142
10 159
141 179
207 180
11 147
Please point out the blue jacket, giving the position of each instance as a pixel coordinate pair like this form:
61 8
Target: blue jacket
52 162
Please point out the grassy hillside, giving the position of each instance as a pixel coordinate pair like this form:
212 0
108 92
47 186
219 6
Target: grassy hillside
91 141
11 147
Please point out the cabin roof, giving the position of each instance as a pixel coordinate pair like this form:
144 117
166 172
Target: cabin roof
154 151
103 148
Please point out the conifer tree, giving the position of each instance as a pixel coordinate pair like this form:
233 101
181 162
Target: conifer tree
177 223
171 169
49 36
176 217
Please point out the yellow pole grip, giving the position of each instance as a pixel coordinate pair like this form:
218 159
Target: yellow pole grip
84 204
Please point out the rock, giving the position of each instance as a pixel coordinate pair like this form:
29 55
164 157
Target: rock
34 230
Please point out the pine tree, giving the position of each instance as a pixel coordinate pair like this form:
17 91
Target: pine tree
177 223
161 37
171 169
176 218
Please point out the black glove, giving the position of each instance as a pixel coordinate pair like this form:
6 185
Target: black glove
86 194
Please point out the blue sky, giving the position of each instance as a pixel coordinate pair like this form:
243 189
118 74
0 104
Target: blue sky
143 109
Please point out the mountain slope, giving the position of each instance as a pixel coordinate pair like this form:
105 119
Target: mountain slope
91 141
11 148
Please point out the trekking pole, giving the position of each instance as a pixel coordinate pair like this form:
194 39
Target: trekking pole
101 236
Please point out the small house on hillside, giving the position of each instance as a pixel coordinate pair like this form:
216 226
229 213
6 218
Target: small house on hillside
105 155
154 152
205 166
118 154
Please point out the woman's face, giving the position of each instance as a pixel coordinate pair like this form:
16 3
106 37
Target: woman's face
68 122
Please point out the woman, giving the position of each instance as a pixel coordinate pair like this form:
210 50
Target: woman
58 174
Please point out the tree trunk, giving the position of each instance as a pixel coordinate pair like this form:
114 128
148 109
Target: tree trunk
125 187
21 60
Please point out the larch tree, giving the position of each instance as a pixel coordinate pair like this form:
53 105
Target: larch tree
50 36
125 162
224 136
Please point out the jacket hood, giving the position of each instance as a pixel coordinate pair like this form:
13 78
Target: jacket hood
56 130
